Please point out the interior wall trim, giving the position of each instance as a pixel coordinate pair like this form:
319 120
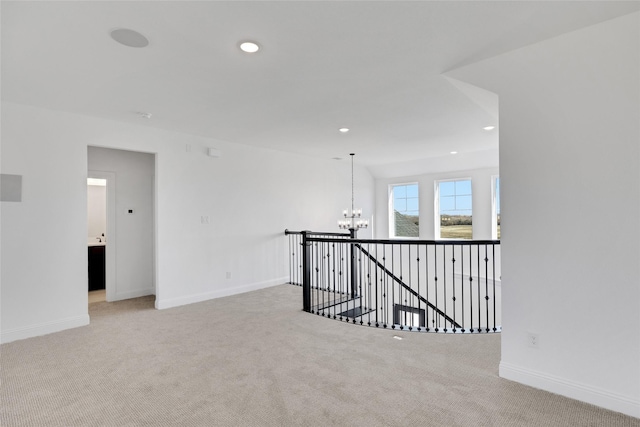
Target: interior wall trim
219 293
43 328
574 390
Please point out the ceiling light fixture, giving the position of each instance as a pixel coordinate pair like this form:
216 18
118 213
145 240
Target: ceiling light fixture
344 130
129 37
489 127
249 47
352 222
454 152
144 115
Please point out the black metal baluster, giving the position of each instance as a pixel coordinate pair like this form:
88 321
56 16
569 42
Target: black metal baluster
306 268
486 285
462 285
453 286
393 288
359 276
478 285
335 305
370 297
436 322
329 276
314 263
402 296
336 286
410 287
444 285
471 288
377 290
385 296
426 275
493 275
418 281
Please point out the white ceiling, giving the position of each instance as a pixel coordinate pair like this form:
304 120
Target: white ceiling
375 67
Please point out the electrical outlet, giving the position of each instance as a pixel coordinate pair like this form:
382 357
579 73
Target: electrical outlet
533 340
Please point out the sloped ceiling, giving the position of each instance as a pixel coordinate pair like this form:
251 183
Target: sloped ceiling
374 67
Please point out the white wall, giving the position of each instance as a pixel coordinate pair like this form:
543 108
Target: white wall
250 196
133 242
96 212
482 200
570 177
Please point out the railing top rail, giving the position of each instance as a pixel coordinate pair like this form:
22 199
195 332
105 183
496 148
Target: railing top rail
317 233
405 241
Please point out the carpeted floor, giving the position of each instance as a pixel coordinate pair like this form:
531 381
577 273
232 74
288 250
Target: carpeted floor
257 360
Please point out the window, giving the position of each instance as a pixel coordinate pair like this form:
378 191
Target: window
495 227
454 209
405 213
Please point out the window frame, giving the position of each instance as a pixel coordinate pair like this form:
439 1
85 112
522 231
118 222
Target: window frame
436 207
391 215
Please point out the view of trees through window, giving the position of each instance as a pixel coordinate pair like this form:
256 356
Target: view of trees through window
455 202
406 212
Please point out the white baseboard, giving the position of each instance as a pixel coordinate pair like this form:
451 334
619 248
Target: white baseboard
583 392
43 328
132 294
218 293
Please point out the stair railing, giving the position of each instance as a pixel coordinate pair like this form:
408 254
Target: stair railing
417 285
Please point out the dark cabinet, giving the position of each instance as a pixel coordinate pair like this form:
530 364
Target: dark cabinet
96 268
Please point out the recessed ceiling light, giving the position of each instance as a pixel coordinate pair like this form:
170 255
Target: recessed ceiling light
454 152
344 130
397 337
489 127
249 47
129 37
144 115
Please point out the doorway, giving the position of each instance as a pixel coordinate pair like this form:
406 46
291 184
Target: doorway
129 240
100 226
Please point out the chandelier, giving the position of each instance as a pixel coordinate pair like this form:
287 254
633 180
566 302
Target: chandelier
352 220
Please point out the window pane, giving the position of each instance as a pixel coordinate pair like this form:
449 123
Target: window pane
463 203
447 188
447 203
455 209
405 216
463 187
400 191
412 204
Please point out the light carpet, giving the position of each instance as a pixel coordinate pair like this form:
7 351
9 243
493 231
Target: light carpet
257 360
